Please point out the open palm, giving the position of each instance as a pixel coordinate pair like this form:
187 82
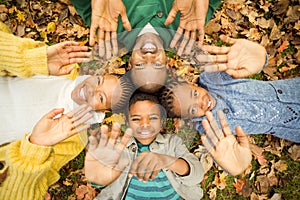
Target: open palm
231 153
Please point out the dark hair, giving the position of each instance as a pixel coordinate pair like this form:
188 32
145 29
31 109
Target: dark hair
142 96
127 88
166 96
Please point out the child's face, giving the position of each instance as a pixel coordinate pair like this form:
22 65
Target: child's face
191 101
98 92
148 63
145 121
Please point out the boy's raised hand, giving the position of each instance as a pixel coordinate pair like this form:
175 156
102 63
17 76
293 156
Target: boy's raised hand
103 162
51 130
192 20
65 53
231 153
242 59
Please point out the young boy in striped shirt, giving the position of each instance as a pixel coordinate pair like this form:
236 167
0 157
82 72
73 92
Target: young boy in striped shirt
146 164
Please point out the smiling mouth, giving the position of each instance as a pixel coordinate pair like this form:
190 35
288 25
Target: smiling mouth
149 47
144 133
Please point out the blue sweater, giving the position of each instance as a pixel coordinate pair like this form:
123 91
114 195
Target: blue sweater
259 107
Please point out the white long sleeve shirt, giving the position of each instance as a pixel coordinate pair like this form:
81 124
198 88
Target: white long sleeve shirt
24 101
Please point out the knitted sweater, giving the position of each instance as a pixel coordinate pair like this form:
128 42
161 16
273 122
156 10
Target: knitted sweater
16 52
31 168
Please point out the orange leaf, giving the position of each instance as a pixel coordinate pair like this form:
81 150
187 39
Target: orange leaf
283 46
238 184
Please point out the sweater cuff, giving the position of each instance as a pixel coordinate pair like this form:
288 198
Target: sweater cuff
36 60
36 153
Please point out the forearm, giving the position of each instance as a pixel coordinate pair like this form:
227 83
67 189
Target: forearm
21 56
177 165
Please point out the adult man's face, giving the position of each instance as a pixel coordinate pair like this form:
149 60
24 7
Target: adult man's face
100 92
148 63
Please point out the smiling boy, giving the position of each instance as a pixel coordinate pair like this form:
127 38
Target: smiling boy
152 164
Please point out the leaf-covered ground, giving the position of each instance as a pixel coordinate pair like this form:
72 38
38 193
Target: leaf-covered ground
274 172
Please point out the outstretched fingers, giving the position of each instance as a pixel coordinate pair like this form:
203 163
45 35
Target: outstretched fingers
242 137
227 39
224 124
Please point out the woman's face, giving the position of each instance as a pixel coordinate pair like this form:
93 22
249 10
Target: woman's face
98 92
191 101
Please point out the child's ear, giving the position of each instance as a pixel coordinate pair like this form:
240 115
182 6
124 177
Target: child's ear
129 64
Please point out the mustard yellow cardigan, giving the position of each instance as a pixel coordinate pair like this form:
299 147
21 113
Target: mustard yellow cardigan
31 168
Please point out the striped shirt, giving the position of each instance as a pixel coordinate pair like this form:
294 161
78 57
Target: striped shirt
160 188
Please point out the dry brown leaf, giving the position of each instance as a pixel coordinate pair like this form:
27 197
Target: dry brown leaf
276 196
3 9
293 14
262 184
263 169
295 152
212 192
297 25
220 180
256 150
275 33
246 190
281 166
212 26
21 30
85 192
273 180
280 7
263 23
252 17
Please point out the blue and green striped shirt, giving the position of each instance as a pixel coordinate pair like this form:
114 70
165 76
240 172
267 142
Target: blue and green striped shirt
160 188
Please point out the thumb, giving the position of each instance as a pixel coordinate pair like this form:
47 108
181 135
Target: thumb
242 137
66 70
237 73
227 39
93 143
54 112
125 20
171 16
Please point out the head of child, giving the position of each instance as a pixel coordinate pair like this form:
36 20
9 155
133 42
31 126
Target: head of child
147 63
102 93
185 100
145 117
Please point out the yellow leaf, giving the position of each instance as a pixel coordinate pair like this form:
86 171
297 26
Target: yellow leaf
51 27
182 71
120 71
44 36
20 16
119 118
67 182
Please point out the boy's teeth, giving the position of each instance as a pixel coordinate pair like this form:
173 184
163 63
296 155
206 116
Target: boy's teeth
145 132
